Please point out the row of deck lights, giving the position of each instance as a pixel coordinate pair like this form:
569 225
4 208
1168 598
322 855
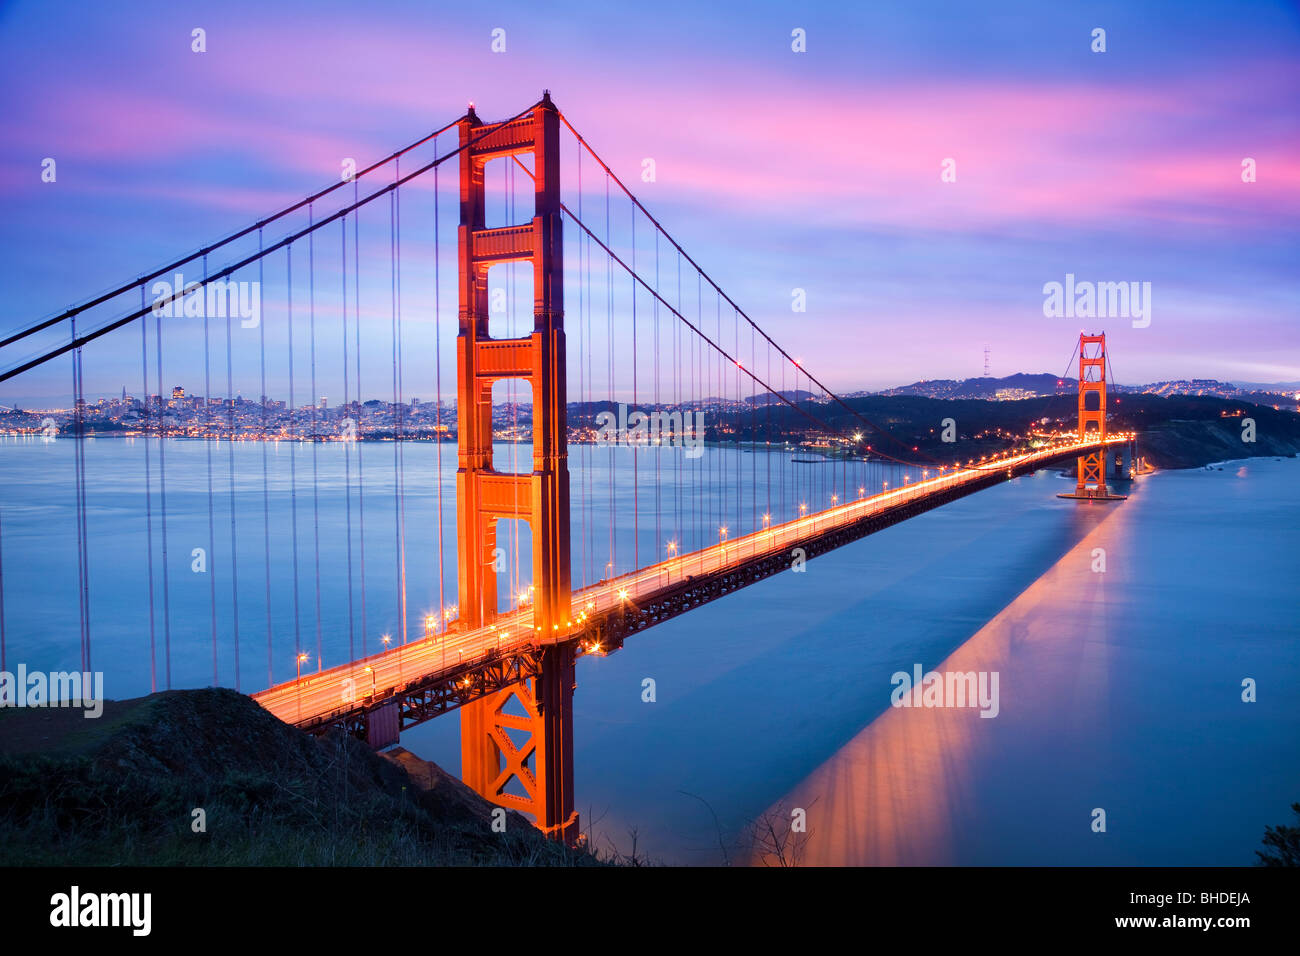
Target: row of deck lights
525 596
862 491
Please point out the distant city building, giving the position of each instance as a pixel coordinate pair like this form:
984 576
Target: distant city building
178 392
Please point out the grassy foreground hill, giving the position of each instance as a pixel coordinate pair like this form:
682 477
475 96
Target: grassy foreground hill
123 789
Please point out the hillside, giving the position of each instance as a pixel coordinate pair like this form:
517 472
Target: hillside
121 790
985 388
1175 431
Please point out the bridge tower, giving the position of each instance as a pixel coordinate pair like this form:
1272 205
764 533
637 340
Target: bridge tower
1092 381
1092 419
533 775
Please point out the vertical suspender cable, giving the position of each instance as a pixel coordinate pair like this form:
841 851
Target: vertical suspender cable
347 440
77 437
314 397
234 550
636 470
361 484
583 345
437 413
740 420
722 406
609 345
683 409
162 493
588 503
398 504
293 461
207 449
85 513
148 498
657 451
266 489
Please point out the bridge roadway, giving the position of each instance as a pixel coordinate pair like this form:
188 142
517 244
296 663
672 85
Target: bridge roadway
343 694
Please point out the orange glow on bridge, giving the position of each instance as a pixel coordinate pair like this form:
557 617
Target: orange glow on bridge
323 696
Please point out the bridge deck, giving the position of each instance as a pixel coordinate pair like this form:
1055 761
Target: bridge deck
326 695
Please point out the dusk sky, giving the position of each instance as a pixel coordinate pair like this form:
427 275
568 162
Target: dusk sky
776 170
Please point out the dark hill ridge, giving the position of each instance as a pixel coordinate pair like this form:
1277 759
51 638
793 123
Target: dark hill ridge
120 790
1175 431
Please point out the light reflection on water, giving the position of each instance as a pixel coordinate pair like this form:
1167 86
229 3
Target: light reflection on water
1120 691
899 793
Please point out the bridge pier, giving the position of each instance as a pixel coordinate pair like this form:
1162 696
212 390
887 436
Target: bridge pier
1119 462
532 771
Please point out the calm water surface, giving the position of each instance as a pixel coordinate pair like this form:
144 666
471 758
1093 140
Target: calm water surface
1118 690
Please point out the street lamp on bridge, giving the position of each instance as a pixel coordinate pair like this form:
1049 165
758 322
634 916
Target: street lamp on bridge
302 656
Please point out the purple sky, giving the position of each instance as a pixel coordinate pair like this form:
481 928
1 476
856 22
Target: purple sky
776 170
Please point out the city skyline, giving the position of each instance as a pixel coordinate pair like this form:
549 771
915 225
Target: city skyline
1179 386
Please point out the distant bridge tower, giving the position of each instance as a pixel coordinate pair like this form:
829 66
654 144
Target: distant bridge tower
1092 419
537 770
1092 381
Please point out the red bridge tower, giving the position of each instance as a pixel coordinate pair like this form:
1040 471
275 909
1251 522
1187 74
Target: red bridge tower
537 770
1092 419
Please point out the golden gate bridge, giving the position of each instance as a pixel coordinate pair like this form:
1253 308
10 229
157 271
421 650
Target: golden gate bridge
700 530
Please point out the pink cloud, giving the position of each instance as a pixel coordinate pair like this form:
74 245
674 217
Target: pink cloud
1063 155
835 154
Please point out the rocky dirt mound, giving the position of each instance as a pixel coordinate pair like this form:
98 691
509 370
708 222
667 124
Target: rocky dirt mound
125 788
